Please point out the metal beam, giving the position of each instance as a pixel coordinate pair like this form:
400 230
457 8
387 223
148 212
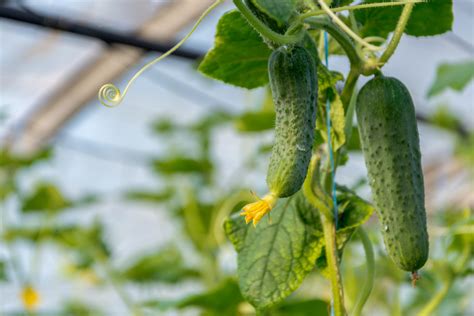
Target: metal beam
107 36
81 88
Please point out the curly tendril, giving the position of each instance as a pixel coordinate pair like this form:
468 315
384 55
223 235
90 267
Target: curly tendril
110 96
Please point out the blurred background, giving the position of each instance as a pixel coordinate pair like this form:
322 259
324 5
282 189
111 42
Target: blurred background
119 211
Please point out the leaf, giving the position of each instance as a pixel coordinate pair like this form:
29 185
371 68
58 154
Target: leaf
274 257
223 299
150 196
353 212
429 18
455 76
165 265
327 81
3 272
279 10
181 165
255 121
11 161
239 56
45 197
443 118
302 308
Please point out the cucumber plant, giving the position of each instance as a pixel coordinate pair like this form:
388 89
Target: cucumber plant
281 43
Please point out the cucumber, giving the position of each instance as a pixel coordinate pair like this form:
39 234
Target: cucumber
294 86
390 142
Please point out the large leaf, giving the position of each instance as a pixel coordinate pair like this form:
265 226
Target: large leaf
166 265
239 56
279 10
274 257
455 76
430 18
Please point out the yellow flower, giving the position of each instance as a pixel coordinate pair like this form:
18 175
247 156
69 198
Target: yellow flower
30 298
256 210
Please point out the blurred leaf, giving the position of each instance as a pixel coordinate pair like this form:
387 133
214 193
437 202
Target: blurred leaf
197 219
443 118
164 126
255 121
239 56
45 197
464 150
274 257
429 18
72 237
3 272
166 265
181 165
327 89
455 76
302 308
150 196
212 120
12 161
224 298
279 10
76 308
220 300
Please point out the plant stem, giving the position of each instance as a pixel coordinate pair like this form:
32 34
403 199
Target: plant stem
115 283
333 265
397 35
341 37
369 280
349 86
437 299
358 7
261 28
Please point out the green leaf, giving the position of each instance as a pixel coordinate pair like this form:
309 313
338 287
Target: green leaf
3 272
255 121
45 197
431 18
455 76
223 299
279 10
13 161
166 265
427 19
182 165
239 56
353 212
327 89
302 308
150 196
274 257
443 118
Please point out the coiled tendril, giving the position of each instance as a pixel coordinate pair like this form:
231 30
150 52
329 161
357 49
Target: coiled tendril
110 96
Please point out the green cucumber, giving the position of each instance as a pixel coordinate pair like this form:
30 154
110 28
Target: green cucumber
294 86
390 142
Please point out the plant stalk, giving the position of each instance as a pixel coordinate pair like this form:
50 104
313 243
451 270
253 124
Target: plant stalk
332 260
370 267
261 28
397 35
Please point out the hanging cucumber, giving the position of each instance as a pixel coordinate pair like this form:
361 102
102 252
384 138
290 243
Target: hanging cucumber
294 86
390 142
